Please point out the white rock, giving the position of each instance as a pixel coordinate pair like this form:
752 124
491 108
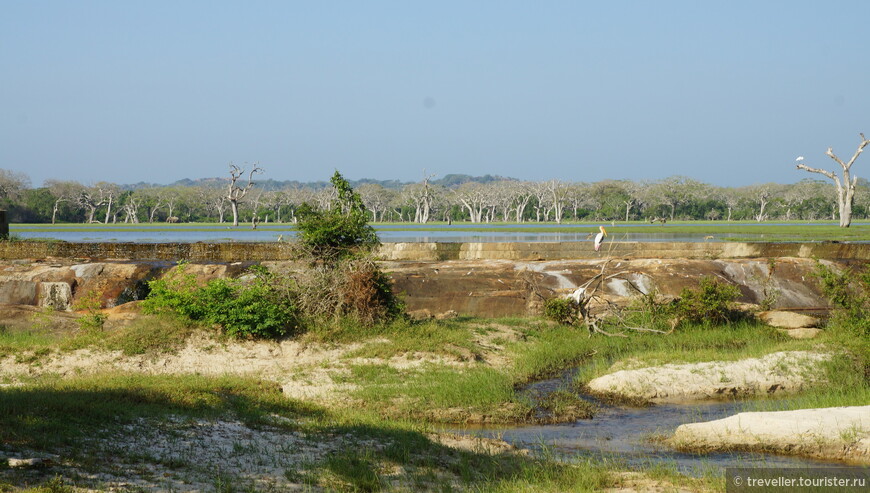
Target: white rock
788 320
776 372
835 433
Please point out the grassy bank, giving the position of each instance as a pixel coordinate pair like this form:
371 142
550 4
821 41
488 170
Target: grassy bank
397 381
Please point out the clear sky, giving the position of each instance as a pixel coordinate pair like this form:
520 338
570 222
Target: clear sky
726 92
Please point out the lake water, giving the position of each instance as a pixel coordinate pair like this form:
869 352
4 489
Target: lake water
176 235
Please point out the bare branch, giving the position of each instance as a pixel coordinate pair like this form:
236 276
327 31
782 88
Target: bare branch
816 170
861 146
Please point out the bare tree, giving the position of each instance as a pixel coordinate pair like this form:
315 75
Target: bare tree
376 199
110 192
523 192
475 198
762 195
236 193
12 183
846 188
63 191
94 197
422 196
215 202
558 194
131 207
540 193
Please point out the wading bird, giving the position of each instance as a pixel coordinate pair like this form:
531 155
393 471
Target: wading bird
599 238
799 158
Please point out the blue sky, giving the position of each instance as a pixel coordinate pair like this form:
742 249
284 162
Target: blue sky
724 92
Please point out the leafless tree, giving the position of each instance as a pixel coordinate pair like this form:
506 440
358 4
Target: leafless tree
633 197
215 202
131 207
846 187
422 197
558 196
93 197
475 197
377 199
12 183
522 191
63 191
762 196
540 192
106 194
236 193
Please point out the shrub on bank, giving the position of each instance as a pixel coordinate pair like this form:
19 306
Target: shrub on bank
711 302
244 308
341 280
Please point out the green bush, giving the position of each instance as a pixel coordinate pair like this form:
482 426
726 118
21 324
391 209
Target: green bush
339 230
849 292
243 308
342 280
562 310
712 302
93 319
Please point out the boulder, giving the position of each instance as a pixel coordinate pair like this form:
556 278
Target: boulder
786 371
55 295
18 292
804 333
839 433
788 320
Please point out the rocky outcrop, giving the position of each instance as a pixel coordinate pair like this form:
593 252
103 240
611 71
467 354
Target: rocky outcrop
487 288
839 433
782 372
516 288
788 320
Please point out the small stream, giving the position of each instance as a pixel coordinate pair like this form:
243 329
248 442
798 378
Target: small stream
624 434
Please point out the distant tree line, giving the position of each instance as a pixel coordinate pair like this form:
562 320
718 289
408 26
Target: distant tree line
455 198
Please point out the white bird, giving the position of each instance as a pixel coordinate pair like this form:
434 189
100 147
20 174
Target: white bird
799 158
599 238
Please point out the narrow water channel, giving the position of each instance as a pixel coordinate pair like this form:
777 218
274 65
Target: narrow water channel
626 434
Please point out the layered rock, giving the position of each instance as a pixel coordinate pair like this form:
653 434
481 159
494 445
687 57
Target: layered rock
782 372
839 433
487 288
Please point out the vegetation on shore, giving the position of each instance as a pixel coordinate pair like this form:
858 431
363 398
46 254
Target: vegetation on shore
394 381
389 404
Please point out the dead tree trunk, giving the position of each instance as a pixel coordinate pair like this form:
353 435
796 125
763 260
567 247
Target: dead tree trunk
236 193
846 188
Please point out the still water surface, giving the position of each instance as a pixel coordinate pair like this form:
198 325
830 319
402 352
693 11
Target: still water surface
410 236
625 434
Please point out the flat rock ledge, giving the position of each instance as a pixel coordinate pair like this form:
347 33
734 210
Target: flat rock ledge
787 371
835 433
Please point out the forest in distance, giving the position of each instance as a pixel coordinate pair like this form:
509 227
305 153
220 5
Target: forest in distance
453 198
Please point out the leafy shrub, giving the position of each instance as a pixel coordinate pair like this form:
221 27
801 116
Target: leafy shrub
241 307
93 319
343 279
340 229
561 310
712 302
850 293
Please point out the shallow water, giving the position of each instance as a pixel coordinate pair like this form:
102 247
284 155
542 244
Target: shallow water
624 434
411 236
